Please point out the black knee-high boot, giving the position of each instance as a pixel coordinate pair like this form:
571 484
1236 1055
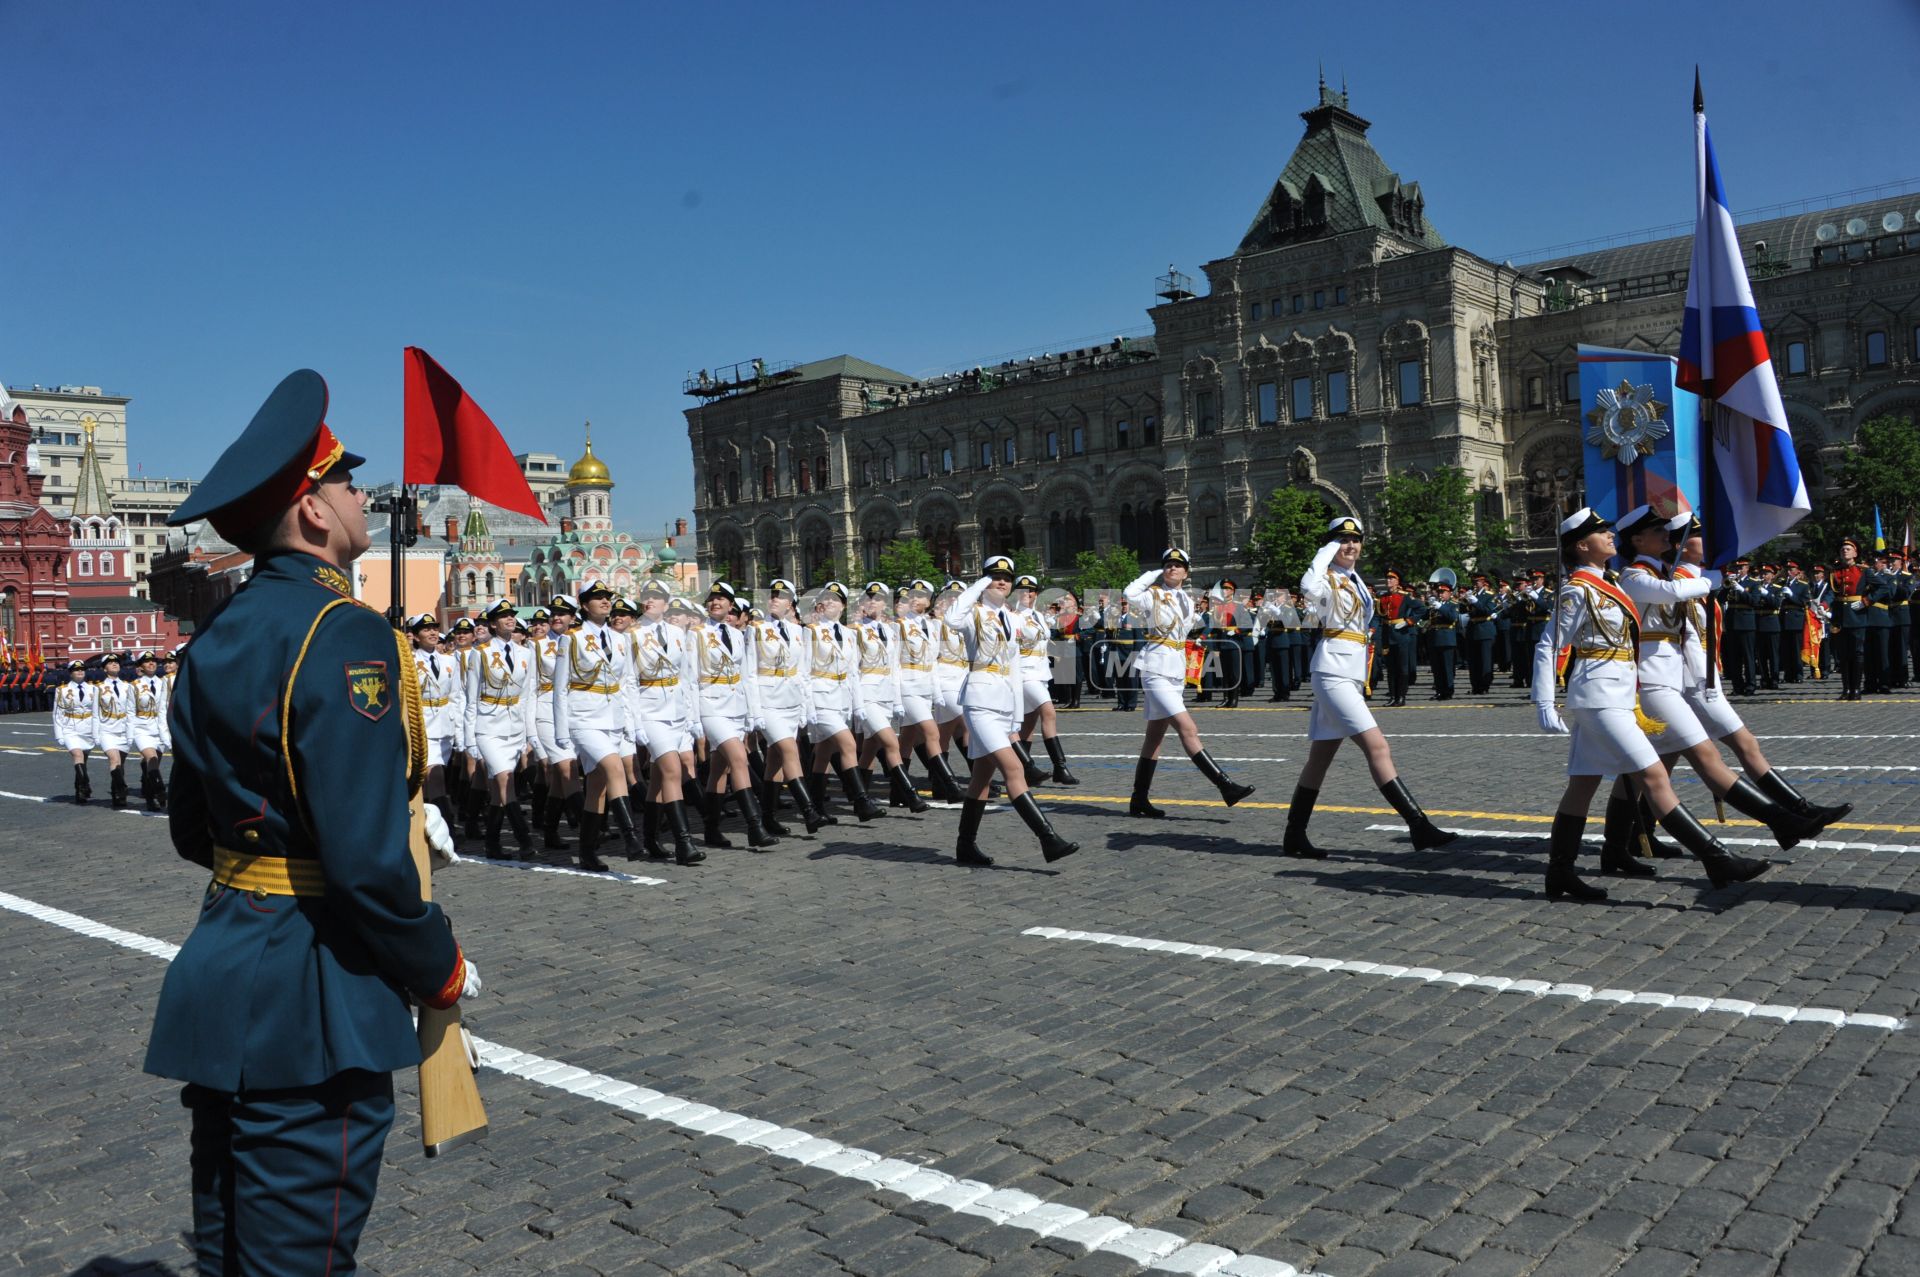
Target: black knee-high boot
620 817
474 800
1052 845
575 805
710 818
966 849
1057 755
1563 850
1649 825
1722 866
1620 837
147 795
759 837
1775 786
522 829
857 794
556 811
945 789
1231 791
692 791
768 792
82 784
538 801
1142 785
591 825
797 790
650 817
495 816
902 788
1299 812
1787 826
117 786
816 786
1426 834
684 852
160 782
1036 775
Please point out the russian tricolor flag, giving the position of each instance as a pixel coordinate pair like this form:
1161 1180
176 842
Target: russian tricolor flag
1751 486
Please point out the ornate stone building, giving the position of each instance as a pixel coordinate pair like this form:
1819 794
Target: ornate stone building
1343 341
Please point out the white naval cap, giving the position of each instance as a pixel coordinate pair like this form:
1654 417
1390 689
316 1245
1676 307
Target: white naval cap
1581 522
1344 526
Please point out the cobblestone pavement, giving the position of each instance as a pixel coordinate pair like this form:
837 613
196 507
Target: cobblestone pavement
1385 1062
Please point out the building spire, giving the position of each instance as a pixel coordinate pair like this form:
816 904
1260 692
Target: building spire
90 496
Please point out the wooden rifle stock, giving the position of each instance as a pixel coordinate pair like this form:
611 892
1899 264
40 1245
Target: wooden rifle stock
451 1113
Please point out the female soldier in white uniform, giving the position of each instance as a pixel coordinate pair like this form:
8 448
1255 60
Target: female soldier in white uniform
564 796
150 733
621 619
113 705
919 655
877 645
992 698
441 707
502 685
723 661
590 718
1331 588
1598 623
833 668
1036 688
664 709
1161 661
76 722
782 685
949 672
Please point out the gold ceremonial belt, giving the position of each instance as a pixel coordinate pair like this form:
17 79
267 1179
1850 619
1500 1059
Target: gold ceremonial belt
1166 642
720 680
435 703
610 689
546 687
1350 635
1658 636
107 713
951 660
1852 598
1443 625
268 875
1604 653
1881 606
73 717
147 713
835 677
499 700
783 672
922 668
989 669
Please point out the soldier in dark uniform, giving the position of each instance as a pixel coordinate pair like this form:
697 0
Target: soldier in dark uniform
1767 628
1877 586
1900 595
1850 581
1482 631
1396 613
1736 600
286 1011
1443 638
1793 622
1820 606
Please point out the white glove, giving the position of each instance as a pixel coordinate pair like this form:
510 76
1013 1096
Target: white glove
439 840
1710 693
472 986
473 1052
1550 719
1325 555
564 746
1859 605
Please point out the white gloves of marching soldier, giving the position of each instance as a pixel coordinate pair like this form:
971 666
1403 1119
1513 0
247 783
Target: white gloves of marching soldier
1323 559
471 988
1550 720
439 840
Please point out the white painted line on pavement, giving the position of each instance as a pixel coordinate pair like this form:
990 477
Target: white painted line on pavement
1301 735
533 867
1498 984
24 753
1811 844
1149 1247
1850 767
1218 758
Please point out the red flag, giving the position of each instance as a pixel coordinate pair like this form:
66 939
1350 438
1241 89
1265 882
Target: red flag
451 440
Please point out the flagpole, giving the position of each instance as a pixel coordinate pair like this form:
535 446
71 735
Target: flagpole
1707 408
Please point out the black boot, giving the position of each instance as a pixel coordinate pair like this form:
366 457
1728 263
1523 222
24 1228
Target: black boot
1648 826
620 817
759 837
591 824
522 828
472 810
1142 785
117 787
1563 850
1426 834
684 852
857 794
1620 839
1052 845
445 806
556 809
539 804
966 849
1035 775
1788 827
495 816
1057 755
1230 791
710 817
911 799
160 785
797 790
768 792
939 776
82 786
650 831
1722 866
576 806
1775 786
1299 812
147 795
816 787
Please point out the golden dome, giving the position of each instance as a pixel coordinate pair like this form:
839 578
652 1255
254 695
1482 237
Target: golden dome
589 471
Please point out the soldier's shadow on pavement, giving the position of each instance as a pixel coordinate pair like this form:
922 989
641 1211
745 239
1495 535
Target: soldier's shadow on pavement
902 853
1157 836
107 1266
1402 880
1773 889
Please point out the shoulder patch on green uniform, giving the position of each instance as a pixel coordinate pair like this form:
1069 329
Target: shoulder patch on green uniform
369 688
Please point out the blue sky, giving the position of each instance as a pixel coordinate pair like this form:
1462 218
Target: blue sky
574 206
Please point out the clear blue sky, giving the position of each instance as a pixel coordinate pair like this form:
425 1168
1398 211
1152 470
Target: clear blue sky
572 206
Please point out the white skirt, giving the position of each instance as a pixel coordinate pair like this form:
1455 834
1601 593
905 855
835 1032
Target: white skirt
915 709
439 750
591 745
661 737
779 724
1718 717
115 735
1607 742
719 729
989 731
946 695
1669 706
1339 708
1162 696
1033 694
544 745
73 738
876 717
147 735
498 753
826 724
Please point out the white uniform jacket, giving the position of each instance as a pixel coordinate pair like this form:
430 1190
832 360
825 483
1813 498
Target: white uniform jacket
502 686
662 678
1664 618
878 655
919 639
1030 630
442 695
1602 671
993 652
75 715
781 673
151 701
724 672
833 668
1167 617
590 680
113 703
1339 604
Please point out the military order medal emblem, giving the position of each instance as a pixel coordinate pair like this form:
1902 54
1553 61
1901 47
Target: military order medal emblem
367 688
1626 422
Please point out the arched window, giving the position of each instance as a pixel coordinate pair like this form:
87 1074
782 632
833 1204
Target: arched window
83 564
766 481
473 585
106 564
820 471
80 628
805 478
733 487
106 625
489 585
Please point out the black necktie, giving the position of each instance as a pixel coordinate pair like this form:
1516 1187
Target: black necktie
509 651
782 627
837 635
433 663
1006 626
726 640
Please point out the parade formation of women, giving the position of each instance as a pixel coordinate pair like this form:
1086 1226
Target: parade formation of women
599 722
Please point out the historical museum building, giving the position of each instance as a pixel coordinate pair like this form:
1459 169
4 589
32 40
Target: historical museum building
1344 340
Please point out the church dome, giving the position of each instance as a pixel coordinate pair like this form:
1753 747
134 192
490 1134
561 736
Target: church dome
589 471
667 555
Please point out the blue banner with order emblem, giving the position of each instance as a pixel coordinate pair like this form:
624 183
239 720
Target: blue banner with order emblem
1641 432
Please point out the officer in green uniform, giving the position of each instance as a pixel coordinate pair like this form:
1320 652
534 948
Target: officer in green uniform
1767 600
1899 598
1878 588
1793 621
1443 638
287 1009
1482 629
1736 600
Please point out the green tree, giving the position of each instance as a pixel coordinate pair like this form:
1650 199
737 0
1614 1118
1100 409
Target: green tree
1422 524
830 569
905 560
1882 469
1286 534
1026 562
1492 545
1110 570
